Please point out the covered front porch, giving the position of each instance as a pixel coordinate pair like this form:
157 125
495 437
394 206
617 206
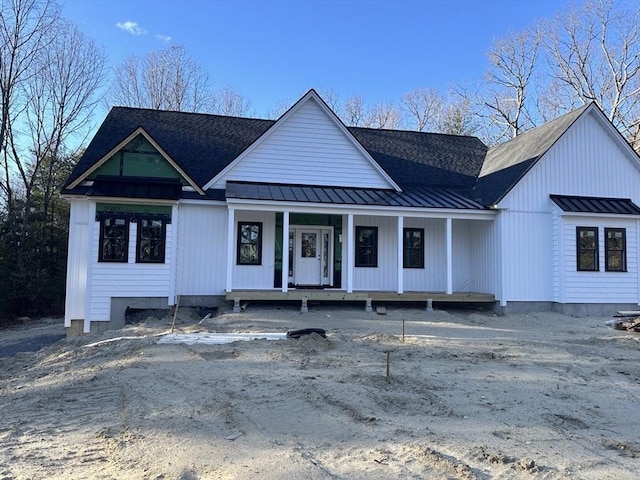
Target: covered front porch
363 249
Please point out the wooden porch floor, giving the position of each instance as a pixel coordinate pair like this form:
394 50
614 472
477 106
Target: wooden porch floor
375 296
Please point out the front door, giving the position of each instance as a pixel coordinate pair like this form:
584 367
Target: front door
308 256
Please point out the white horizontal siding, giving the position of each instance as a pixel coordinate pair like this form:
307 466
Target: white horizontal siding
202 250
307 148
255 276
130 279
601 286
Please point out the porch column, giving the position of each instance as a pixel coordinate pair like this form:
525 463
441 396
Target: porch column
230 247
285 251
449 257
350 253
400 255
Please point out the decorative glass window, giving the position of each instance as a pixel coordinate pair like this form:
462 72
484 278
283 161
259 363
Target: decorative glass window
587 249
366 247
150 244
249 243
325 255
615 246
114 239
309 245
413 248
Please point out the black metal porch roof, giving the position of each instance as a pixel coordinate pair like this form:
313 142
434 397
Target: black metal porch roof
576 204
415 197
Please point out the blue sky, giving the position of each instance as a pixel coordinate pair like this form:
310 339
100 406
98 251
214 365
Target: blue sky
275 50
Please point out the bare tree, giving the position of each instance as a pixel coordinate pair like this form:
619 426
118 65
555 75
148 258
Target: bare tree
228 101
423 106
383 115
594 54
457 118
513 60
167 79
354 111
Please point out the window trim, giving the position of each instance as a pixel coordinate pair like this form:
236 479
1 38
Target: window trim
359 247
406 248
623 266
103 218
139 219
258 241
596 250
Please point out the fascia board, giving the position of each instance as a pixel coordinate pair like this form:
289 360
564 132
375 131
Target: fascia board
310 95
114 150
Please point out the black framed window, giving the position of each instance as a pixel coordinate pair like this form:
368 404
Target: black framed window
366 247
615 249
249 248
114 239
413 248
587 249
150 243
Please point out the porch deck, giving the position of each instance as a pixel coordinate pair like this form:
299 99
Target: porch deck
330 295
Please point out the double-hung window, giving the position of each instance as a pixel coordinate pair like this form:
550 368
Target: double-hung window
413 248
366 247
587 249
114 239
615 255
150 246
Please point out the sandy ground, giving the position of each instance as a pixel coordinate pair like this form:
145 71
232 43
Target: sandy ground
470 396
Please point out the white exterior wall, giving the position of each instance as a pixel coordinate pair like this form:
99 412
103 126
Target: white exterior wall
385 275
126 279
482 238
255 276
77 260
308 148
586 161
202 250
574 286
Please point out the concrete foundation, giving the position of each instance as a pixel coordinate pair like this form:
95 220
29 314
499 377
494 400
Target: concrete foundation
570 309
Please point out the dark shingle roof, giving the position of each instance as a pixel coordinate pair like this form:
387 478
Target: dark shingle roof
203 145
508 162
615 206
427 159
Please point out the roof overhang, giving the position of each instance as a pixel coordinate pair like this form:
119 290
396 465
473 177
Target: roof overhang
139 131
573 204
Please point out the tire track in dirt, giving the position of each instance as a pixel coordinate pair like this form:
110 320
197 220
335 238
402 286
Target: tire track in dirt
33 432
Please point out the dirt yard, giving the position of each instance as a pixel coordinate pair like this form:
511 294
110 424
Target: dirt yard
470 396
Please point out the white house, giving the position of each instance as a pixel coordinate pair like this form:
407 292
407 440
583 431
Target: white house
204 208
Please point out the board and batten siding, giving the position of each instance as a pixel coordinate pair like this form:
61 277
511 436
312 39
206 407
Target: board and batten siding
585 161
112 280
483 265
431 278
78 257
255 276
601 286
202 250
307 148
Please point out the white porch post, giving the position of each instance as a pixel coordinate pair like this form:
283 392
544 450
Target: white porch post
400 255
230 247
350 253
285 251
449 256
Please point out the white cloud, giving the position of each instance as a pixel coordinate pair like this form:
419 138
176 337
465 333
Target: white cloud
131 27
164 38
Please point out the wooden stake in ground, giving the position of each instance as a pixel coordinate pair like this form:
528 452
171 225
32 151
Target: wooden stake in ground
388 362
175 314
403 330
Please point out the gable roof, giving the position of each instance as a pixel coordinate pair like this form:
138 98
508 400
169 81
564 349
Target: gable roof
508 162
311 97
204 144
